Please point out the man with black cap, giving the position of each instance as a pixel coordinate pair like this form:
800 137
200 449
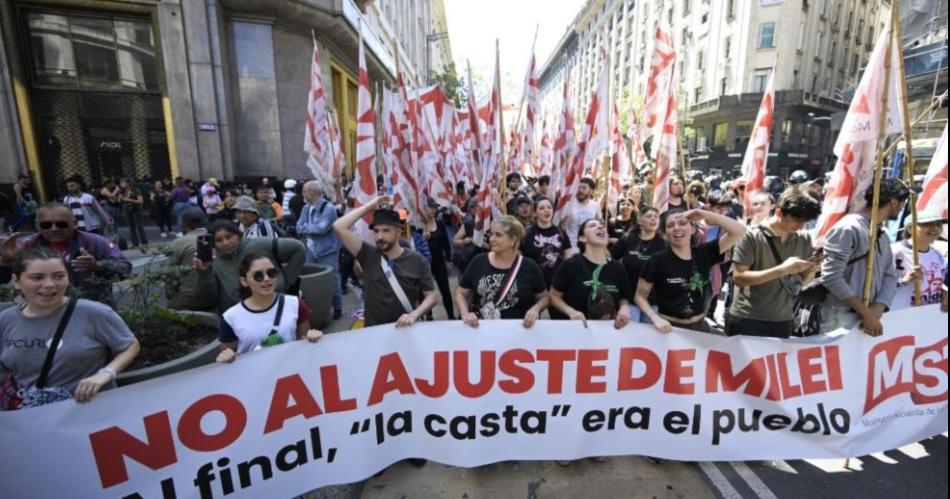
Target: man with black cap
844 267
397 283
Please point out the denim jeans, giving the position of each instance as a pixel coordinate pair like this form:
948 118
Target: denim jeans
332 260
636 315
177 208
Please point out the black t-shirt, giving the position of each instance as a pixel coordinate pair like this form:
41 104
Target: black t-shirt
617 227
634 253
679 284
546 247
485 282
574 278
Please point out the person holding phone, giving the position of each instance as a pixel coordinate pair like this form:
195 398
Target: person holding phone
771 263
180 252
264 317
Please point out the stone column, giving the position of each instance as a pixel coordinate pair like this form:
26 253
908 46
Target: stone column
178 88
204 100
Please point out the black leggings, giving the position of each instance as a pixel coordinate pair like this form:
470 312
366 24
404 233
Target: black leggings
163 217
441 275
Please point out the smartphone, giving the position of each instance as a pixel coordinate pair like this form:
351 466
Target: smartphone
817 254
204 252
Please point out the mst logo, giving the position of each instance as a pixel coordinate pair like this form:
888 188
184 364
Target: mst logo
897 366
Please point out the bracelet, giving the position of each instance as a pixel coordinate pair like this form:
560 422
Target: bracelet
109 370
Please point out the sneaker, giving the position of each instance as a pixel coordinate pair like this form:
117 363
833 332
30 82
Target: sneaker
164 234
179 235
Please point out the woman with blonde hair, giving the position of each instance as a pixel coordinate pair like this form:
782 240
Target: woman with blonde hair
502 284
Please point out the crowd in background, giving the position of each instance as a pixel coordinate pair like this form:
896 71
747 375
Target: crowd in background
706 264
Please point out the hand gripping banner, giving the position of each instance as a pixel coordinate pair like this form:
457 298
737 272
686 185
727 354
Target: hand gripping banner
299 416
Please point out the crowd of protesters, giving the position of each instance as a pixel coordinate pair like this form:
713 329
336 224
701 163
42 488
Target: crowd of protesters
704 264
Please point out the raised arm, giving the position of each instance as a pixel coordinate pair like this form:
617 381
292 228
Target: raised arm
342 226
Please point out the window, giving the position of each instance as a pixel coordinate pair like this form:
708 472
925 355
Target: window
814 83
760 78
724 86
720 134
701 60
686 5
870 35
767 35
854 64
698 95
795 79
705 18
821 41
743 133
832 53
730 9
92 52
727 48
801 37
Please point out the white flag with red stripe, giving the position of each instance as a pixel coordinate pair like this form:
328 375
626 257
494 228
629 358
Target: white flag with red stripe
660 110
484 205
533 108
364 176
411 183
565 149
757 153
318 143
659 83
933 198
856 147
619 164
594 143
636 141
546 156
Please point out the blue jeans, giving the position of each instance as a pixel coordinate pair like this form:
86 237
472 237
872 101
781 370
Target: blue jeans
23 218
636 315
177 208
332 260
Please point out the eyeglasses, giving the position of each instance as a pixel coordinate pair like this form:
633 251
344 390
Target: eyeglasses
60 224
260 275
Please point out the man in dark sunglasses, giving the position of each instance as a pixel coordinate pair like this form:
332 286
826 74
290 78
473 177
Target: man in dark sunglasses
95 261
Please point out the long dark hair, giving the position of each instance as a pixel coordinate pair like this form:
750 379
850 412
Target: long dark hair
244 291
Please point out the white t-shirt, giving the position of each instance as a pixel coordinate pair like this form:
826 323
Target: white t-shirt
580 213
934 267
249 327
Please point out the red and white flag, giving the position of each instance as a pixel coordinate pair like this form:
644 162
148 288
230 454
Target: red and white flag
594 143
856 147
619 164
565 149
659 83
491 160
529 139
411 183
364 177
660 110
636 141
318 143
933 198
546 156
339 159
757 153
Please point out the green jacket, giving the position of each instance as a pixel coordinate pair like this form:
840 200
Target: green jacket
180 253
221 280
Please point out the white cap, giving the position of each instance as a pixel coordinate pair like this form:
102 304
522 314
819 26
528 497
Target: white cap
290 184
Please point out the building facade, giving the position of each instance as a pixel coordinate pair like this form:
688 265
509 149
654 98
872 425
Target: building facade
726 50
191 88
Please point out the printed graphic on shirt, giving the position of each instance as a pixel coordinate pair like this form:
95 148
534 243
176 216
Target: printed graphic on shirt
488 287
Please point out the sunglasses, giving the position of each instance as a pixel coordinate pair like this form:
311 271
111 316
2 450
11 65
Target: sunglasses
60 224
260 275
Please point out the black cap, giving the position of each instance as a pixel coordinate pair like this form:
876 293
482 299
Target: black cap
523 200
386 217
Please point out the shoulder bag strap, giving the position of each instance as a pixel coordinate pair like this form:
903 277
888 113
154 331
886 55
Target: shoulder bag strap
280 312
394 284
48 363
768 239
509 280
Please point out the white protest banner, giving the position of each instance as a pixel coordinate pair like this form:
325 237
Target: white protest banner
292 418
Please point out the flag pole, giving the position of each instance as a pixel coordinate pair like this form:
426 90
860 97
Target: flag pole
610 110
501 129
518 128
879 166
938 101
908 139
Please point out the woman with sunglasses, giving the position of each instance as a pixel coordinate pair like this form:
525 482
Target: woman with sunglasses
95 343
264 317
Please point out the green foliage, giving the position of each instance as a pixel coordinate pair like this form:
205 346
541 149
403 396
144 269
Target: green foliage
7 292
451 84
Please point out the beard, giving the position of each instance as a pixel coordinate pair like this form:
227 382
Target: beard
383 246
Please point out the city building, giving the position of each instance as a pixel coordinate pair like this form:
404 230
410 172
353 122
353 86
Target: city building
191 88
726 50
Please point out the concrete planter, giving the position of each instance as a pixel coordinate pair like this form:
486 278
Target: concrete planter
316 286
203 356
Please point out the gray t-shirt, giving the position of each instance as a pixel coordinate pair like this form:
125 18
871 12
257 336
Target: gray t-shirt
769 301
380 303
94 335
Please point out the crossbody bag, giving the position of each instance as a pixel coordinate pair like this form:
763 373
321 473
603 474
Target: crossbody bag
38 393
